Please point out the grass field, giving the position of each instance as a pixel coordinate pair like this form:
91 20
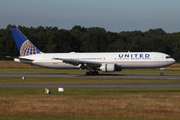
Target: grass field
87 103
90 103
16 80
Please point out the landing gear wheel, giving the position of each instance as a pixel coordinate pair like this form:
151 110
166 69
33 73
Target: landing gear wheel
93 73
96 73
88 73
161 74
162 69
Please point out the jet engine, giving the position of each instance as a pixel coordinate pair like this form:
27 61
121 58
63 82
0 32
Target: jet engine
107 67
110 67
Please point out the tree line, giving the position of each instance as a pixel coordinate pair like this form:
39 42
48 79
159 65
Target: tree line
94 39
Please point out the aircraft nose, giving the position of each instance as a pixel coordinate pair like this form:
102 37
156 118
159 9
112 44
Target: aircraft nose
173 60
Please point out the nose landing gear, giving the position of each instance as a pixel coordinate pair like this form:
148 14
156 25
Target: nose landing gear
162 69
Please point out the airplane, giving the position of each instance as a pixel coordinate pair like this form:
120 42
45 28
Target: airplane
93 62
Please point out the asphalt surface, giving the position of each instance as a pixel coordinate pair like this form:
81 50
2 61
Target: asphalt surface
105 76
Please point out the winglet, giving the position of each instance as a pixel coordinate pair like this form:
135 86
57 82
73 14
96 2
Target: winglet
25 47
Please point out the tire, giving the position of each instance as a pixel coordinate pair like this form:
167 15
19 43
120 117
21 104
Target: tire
88 73
161 74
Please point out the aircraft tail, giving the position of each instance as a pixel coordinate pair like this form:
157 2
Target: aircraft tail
25 47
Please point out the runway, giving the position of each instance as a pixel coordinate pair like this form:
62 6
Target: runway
104 76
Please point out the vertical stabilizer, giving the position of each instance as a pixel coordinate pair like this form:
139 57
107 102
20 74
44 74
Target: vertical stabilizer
25 47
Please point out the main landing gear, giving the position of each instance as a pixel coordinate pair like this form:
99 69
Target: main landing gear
92 73
162 69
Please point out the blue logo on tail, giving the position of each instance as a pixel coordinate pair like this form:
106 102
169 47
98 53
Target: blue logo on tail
28 48
25 47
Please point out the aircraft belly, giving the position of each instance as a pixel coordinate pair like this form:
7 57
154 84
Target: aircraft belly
122 65
58 65
142 65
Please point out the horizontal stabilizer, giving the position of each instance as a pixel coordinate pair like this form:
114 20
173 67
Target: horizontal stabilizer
19 58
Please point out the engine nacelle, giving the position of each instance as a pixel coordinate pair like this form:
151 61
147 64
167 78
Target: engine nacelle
107 67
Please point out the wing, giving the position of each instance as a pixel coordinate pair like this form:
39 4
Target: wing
91 64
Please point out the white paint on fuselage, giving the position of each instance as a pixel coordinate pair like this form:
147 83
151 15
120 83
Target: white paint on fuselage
126 60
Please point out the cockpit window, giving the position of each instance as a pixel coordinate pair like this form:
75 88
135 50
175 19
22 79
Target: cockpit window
167 57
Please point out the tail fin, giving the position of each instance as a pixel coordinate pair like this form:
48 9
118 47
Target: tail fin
25 47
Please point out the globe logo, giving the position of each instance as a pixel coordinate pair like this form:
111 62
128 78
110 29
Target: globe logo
28 48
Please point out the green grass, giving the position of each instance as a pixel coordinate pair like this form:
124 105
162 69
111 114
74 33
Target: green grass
124 71
41 70
10 92
87 94
18 80
85 91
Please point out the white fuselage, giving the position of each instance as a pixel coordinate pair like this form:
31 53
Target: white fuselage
125 60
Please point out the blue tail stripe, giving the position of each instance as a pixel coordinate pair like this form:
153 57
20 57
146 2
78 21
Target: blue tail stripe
18 37
25 47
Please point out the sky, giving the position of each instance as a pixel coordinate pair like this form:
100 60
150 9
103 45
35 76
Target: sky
113 15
